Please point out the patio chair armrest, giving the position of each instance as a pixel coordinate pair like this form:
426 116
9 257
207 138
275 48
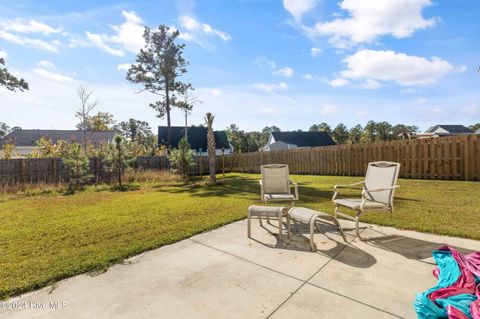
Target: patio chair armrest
336 187
295 185
367 191
379 189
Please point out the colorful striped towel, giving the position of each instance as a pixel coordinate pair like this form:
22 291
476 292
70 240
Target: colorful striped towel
457 292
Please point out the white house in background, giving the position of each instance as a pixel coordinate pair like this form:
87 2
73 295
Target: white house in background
446 130
279 141
25 141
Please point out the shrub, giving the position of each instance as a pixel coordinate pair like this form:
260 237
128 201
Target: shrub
119 157
181 159
77 164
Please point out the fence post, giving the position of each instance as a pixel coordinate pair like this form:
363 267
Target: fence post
223 162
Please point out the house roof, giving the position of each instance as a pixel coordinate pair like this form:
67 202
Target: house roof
197 137
30 137
304 139
459 129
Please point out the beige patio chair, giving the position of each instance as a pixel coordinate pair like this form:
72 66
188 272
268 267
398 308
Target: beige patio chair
377 192
276 185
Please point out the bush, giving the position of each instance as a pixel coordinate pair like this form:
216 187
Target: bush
181 159
119 157
77 164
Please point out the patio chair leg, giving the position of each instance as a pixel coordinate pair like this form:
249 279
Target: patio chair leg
288 226
312 244
318 227
357 227
337 223
280 221
249 227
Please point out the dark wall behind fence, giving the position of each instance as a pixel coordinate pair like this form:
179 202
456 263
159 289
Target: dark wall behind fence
455 158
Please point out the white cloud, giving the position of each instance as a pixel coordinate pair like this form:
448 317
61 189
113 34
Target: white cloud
270 87
286 72
194 26
215 92
29 42
266 111
397 67
53 76
99 41
130 33
315 52
370 84
328 110
409 91
3 54
298 8
124 66
46 64
371 19
186 36
264 62
339 82
31 26
420 100
307 76
471 110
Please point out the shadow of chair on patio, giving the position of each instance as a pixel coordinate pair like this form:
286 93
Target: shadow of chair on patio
411 248
327 246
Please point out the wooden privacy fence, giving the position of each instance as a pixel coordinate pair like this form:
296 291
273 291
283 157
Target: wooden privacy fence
49 170
53 170
456 158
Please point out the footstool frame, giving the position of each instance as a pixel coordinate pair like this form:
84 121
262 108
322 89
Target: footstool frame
258 212
310 217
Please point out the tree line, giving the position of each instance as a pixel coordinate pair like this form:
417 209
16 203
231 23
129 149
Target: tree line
372 131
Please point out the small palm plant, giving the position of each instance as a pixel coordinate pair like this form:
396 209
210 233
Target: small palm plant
211 147
181 159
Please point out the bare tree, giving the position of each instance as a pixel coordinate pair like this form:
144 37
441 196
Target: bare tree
186 103
83 113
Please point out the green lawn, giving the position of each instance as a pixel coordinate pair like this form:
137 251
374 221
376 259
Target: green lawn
47 238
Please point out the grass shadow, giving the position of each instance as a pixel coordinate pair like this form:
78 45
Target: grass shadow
125 187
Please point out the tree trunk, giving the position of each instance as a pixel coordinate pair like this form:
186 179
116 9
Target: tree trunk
119 168
169 129
211 155
186 125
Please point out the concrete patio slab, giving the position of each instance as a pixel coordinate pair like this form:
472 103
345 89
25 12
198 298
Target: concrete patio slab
267 249
313 302
223 274
184 280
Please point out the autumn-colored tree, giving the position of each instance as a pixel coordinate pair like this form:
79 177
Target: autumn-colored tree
9 150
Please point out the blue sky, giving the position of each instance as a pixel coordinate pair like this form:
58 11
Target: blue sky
255 63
